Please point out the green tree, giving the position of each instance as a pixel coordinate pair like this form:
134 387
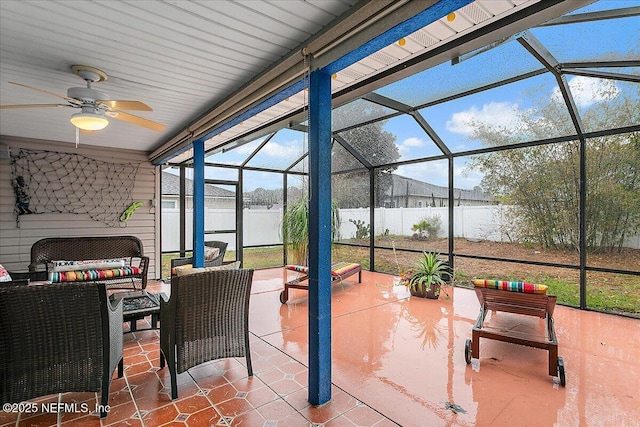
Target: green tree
374 144
541 184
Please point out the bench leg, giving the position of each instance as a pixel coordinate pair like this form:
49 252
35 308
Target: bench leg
155 318
284 295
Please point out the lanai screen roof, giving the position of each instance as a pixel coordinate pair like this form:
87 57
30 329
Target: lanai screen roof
566 60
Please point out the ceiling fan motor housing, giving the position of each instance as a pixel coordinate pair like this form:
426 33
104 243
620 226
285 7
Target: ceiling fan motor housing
86 95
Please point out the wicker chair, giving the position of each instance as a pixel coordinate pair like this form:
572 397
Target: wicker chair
56 339
206 318
176 262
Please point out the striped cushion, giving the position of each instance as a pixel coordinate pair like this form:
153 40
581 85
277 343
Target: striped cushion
86 275
338 269
528 288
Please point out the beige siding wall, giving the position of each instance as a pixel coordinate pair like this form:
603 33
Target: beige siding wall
15 243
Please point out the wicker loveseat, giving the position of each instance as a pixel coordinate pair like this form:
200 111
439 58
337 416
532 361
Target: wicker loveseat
111 259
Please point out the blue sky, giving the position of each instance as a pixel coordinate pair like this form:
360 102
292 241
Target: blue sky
497 107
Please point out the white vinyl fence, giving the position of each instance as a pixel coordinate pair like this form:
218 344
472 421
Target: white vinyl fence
262 226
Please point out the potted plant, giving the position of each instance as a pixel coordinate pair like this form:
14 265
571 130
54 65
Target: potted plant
428 276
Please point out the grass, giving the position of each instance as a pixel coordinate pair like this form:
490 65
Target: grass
607 292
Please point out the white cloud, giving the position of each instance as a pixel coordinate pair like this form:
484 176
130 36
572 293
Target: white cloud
413 142
405 146
587 91
502 114
273 149
432 172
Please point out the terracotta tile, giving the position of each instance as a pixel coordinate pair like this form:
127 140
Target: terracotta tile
285 386
379 342
121 413
222 393
205 417
161 415
299 399
385 422
320 414
302 378
134 359
251 418
192 404
39 420
85 420
340 421
293 420
212 381
276 410
248 383
341 401
261 396
236 373
292 367
130 370
234 407
8 418
131 350
363 416
271 376
131 422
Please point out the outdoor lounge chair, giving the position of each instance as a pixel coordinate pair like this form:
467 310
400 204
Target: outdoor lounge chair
206 318
58 338
339 271
519 298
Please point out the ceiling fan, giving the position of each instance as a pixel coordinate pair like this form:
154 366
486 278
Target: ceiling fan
94 106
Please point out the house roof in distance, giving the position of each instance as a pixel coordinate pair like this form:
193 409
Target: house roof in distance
171 186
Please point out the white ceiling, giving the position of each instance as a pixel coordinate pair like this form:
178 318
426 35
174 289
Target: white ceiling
178 57
181 58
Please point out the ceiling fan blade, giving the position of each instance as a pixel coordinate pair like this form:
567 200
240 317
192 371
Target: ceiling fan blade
126 105
44 91
9 107
137 120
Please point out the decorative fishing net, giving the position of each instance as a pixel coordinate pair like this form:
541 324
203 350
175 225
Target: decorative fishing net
48 181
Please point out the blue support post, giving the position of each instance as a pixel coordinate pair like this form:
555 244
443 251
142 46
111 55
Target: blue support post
320 238
198 203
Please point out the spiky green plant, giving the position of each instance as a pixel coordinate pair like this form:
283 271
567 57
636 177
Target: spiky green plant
295 228
429 270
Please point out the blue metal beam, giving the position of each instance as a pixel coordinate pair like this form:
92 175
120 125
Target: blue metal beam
320 238
411 25
198 203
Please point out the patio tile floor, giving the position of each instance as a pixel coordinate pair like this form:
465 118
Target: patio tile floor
396 361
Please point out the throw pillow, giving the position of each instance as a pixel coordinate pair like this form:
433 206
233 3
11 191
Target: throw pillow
91 264
187 271
210 253
4 274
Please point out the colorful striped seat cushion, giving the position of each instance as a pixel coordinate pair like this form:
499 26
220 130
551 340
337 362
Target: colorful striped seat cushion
338 269
87 275
528 288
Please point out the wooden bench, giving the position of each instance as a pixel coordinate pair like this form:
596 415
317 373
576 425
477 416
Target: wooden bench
518 302
80 249
339 271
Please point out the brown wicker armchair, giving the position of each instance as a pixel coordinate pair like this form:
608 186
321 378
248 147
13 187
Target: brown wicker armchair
206 318
58 338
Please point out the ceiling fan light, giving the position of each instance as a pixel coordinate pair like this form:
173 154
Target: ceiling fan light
89 121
